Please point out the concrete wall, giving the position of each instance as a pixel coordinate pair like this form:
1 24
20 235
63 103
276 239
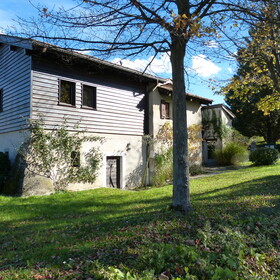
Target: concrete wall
193 112
194 117
226 120
131 151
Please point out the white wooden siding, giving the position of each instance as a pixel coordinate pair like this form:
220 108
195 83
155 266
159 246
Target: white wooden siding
15 76
117 105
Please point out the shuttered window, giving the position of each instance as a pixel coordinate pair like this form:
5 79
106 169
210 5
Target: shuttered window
67 92
89 97
1 100
164 110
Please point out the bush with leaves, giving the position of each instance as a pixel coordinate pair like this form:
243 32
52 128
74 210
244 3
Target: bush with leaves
55 154
4 169
164 167
264 156
164 158
231 154
194 143
196 169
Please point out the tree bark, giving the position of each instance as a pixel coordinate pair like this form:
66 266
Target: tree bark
181 193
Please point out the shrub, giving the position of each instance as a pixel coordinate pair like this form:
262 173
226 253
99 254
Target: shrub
264 156
4 169
231 154
164 168
55 154
195 169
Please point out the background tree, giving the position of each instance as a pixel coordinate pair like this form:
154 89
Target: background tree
254 94
250 121
258 77
140 27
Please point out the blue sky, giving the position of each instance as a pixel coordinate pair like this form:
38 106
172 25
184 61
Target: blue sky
202 70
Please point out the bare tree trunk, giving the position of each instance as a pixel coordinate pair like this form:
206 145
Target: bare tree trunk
181 193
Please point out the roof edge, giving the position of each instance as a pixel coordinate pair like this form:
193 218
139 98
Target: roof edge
222 106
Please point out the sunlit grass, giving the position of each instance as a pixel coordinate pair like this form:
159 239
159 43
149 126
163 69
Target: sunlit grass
118 228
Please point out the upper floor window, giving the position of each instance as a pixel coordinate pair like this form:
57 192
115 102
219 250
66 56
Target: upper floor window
89 97
164 109
15 48
67 92
1 100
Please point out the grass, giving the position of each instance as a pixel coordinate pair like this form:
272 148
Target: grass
233 232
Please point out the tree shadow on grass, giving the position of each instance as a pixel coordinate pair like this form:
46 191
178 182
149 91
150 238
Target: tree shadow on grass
61 228
252 200
109 228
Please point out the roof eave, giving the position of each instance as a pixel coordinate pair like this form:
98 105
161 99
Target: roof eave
43 47
189 96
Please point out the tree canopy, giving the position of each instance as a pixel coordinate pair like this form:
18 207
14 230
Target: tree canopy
251 121
259 63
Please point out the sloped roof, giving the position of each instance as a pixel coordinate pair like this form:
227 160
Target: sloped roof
35 46
45 46
222 107
167 87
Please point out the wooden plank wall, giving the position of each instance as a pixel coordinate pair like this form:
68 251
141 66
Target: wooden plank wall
118 110
15 77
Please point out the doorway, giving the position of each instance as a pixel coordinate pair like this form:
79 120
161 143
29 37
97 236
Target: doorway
113 172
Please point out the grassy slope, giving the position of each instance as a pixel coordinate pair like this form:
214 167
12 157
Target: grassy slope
233 232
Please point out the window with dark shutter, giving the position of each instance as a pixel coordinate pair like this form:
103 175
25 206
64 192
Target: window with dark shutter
164 110
89 97
67 92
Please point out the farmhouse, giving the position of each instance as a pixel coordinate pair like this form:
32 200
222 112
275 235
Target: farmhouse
119 104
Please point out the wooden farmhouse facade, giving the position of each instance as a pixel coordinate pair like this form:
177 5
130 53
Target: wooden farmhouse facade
119 104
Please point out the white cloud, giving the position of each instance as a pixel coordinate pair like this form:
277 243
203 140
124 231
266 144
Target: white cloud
159 65
204 67
211 44
86 52
230 70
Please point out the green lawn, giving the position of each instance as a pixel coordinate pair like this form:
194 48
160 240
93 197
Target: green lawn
233 232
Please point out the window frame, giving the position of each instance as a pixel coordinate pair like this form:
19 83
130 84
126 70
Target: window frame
72 93
94 107
165 104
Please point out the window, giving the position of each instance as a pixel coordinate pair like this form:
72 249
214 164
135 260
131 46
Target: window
164 110
89 97
75 159
15 48
67 92
1 100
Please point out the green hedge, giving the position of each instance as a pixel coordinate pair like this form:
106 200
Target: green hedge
264 145
264 156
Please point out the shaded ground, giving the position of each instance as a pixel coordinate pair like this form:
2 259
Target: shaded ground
233 232
214 170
